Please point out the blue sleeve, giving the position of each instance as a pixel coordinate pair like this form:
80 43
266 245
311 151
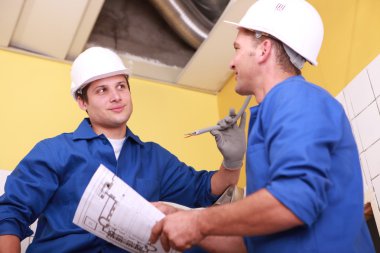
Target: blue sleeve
27 191
303 127
184 185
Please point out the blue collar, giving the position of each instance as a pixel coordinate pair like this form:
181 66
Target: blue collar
85 131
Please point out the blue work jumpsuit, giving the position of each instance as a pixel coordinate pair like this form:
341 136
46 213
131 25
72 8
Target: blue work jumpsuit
49 182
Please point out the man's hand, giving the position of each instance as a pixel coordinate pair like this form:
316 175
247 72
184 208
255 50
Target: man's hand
231 140
179 230
168 207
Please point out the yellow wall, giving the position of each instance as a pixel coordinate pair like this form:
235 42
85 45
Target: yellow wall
351 42
36 104
164 113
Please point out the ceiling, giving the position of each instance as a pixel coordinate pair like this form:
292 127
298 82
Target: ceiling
136 29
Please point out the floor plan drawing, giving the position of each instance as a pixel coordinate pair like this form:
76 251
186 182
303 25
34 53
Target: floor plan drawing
112 210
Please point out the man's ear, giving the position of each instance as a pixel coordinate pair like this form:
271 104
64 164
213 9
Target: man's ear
82 104
265 49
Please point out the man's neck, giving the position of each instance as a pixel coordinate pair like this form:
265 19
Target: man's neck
111 133
270 82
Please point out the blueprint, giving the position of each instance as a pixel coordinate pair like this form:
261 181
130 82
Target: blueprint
113 211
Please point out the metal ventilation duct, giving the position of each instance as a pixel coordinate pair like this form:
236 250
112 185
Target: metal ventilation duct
191 19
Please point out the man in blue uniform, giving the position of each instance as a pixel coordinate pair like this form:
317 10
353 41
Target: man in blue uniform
49 182
304 185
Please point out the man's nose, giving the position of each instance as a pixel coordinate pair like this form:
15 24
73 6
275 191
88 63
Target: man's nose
232 65
115 95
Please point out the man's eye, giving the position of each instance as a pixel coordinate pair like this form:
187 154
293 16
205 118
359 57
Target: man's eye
100 91
121 86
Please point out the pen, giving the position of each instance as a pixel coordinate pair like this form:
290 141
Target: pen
217 127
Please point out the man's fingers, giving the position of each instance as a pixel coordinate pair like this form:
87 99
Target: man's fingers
216 134
232 112
165 242
156 231
182 247
165 208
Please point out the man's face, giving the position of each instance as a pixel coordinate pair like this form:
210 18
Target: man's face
109 103
244 62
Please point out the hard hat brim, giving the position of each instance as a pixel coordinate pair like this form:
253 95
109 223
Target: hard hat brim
231 23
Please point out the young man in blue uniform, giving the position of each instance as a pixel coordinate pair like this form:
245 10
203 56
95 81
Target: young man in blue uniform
304 185
49 182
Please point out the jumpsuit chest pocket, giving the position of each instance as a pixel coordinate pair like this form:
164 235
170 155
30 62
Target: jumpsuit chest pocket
257 167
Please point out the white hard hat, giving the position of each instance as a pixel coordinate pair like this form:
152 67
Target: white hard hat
296 23
93 64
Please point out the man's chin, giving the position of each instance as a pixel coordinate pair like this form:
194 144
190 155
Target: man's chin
242 92
119 122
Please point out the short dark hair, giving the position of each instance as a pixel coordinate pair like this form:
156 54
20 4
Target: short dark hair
282 58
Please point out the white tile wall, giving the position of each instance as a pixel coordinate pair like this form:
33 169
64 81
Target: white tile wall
348 105
360 92
3 178
368 125
373 70
366 176
372 155
356 134
362 103
376 188
342 100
